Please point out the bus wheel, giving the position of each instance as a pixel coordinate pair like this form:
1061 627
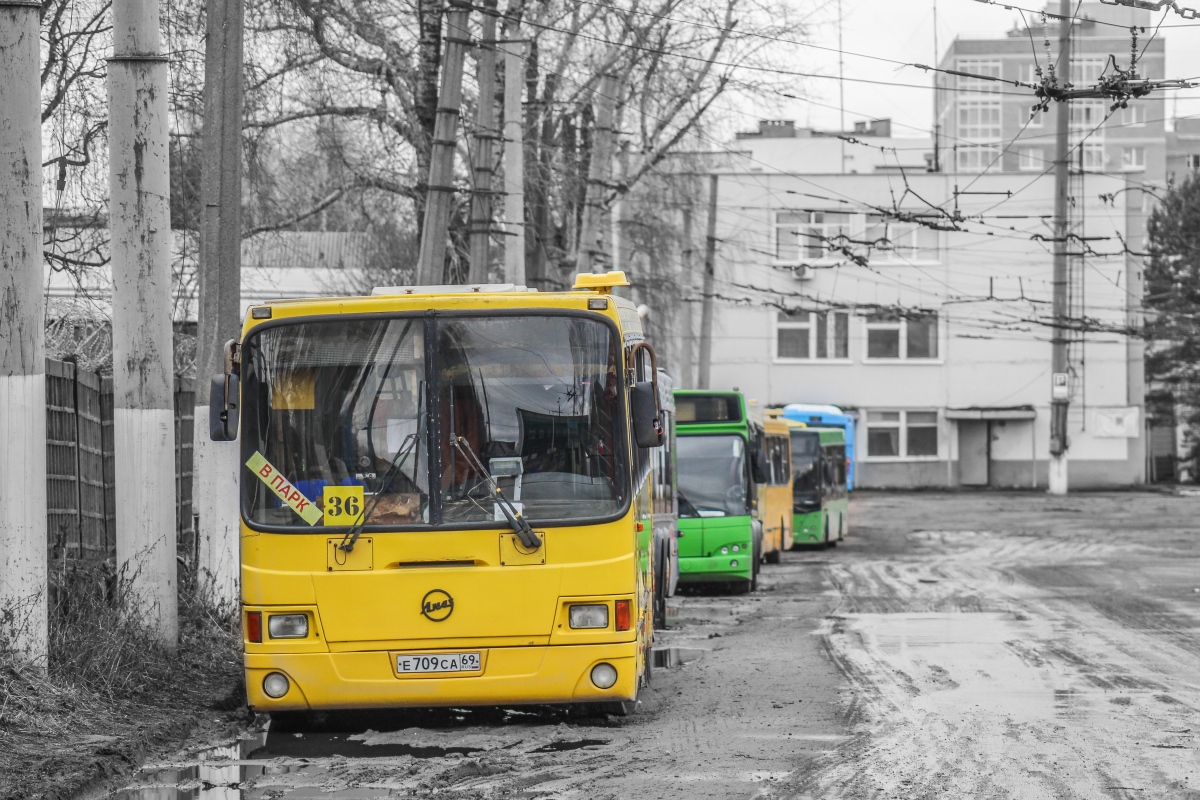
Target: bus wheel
660 595
754 567
619 708
773 556
290 722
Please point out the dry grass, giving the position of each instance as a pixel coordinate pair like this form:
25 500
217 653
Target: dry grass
111 691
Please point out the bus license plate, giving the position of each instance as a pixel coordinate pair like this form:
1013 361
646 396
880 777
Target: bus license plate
410 663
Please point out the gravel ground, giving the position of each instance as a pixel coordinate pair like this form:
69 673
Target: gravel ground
990 645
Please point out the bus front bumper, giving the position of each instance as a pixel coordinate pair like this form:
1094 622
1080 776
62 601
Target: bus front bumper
511 676
716 569
808 528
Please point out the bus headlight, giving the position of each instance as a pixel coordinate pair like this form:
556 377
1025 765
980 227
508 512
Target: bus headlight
735 548
733 564
604 676
589 616
288 626
276 685
724 551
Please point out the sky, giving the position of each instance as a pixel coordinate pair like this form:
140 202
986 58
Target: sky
903 30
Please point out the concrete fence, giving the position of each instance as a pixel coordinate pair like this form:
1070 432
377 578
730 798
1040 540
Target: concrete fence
81 505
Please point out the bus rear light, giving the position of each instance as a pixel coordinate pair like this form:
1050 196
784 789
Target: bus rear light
287 626
254 626
589 616
622 615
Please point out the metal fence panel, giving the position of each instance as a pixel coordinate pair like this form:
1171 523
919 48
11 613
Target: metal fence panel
108 470
185 406
62 461
94 539
80 481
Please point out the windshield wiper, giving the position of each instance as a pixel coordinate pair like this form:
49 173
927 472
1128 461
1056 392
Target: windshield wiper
525 533
351 537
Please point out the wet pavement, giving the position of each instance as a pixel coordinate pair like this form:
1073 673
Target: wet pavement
962 645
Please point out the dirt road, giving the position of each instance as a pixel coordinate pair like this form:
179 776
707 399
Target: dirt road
965 645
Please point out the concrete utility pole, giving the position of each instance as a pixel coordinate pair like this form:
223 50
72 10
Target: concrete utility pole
591 237
514 158
1059 382
841 92
23 534
937 85
431 262
216 464
706 302
485 135
143 420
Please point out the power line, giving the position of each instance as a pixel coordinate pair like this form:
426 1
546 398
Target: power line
785 72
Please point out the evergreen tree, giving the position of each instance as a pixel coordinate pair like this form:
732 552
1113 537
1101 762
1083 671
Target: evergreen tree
1173 313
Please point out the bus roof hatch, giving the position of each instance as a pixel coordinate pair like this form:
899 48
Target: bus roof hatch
602 282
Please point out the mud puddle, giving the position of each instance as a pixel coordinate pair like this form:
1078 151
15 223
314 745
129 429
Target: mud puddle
668 657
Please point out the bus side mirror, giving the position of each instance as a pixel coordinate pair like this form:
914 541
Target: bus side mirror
647 426
758 466
223 407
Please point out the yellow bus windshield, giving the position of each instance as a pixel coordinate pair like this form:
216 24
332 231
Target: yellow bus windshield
534 401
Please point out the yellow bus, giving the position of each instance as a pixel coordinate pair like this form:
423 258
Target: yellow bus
775 493
445 497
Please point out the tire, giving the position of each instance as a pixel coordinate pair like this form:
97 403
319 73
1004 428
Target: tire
618 708
628 708
290 722
777 555
773 556
754 566
660 596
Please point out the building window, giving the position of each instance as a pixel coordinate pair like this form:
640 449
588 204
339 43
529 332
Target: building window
1134 115
1086 72
978 66
1030 159
979 119
979 126
976 158
890 336
1193 162
890 240
1087 117
883 433
1133 159
920 433
1091 156
801 235
912 434
808 335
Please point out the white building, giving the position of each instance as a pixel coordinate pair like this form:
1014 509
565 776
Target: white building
937 340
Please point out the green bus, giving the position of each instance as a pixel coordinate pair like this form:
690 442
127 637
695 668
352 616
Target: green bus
717 453
820 500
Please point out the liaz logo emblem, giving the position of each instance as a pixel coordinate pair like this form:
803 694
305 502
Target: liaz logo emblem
436 605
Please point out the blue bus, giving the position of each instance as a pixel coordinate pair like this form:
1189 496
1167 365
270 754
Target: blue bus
828 416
